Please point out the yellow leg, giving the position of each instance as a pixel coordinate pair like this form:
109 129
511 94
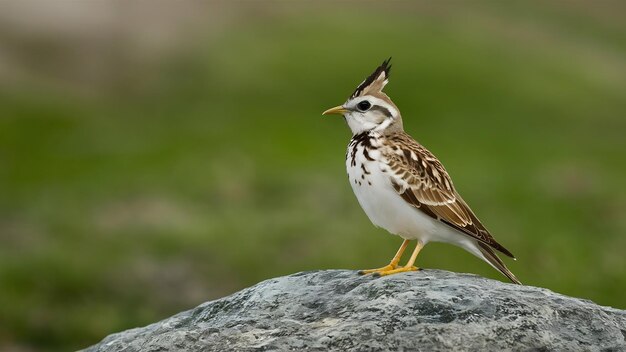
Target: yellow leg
409 265
390 266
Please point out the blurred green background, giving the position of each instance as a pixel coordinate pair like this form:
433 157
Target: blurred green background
155 156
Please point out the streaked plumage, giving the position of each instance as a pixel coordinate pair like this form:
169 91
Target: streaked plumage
403 187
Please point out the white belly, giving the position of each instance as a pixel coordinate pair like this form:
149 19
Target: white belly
386 208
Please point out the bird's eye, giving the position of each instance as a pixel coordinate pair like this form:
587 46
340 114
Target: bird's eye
364 105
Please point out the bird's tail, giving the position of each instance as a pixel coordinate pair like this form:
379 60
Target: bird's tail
495 261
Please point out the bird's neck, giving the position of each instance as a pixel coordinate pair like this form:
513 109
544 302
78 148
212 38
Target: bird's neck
386 127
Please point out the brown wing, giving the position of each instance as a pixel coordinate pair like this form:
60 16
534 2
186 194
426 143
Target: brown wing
424 183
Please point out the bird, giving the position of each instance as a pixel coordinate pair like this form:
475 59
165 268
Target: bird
402 187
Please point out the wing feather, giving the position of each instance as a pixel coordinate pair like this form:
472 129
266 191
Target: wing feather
423 182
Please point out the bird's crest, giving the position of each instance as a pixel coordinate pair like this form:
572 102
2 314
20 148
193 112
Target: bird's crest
375 82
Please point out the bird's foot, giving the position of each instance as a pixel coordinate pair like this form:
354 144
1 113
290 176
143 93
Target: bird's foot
402 269
385 268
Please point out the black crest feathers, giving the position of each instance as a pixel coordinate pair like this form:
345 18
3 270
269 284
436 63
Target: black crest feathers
384 67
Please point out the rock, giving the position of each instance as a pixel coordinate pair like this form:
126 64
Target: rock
430 310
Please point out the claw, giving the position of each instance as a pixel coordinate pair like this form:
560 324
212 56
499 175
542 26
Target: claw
387 267
396 271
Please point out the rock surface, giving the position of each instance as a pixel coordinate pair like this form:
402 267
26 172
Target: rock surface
338 310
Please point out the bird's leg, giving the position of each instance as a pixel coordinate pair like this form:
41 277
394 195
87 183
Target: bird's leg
392 265
409 265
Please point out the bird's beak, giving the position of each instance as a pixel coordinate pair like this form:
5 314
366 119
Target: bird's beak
336 110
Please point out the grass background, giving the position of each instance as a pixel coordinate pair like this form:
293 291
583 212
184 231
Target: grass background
135 184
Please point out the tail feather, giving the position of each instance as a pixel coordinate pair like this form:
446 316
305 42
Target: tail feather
496 262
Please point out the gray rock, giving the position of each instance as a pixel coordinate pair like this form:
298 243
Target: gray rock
338 310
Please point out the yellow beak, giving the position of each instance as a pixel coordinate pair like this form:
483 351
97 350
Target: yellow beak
336 110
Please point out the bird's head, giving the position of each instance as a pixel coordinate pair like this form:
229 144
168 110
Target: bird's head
368 108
